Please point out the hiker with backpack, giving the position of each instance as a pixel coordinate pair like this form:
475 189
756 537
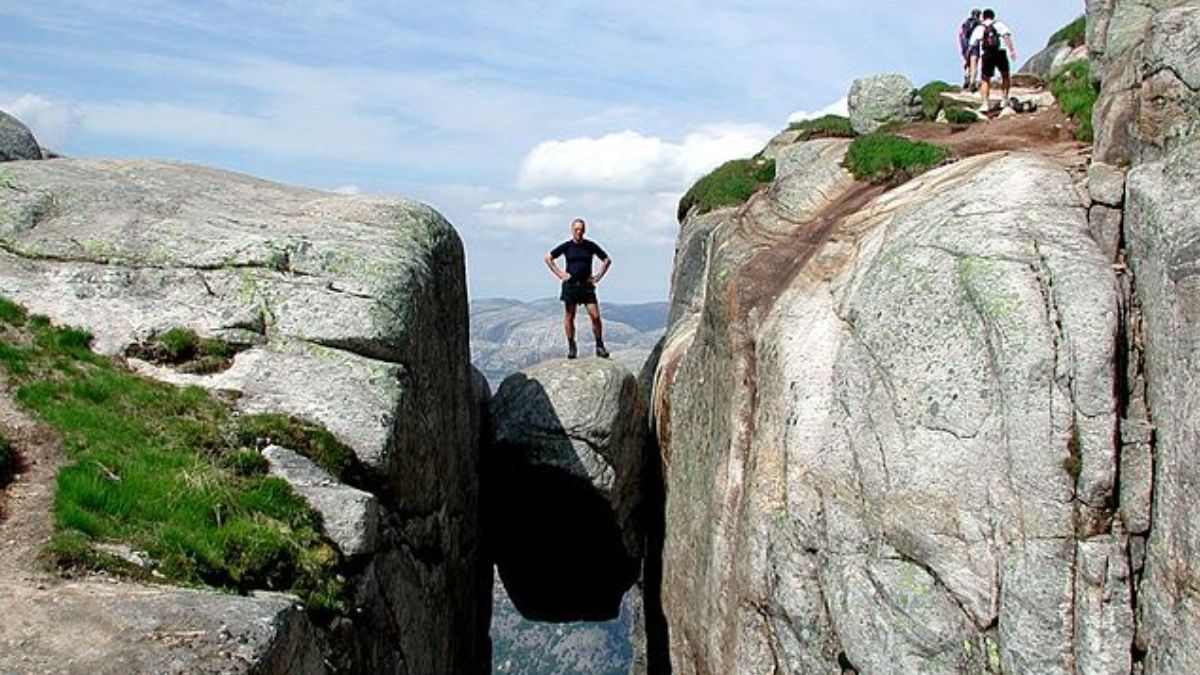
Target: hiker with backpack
995 50
579 284
970 53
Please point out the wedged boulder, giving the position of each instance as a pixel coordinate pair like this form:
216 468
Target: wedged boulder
107 629
563 481
880 99
353 309
903 457
1162 230
16 140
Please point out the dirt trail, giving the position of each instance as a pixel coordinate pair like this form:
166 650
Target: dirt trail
25 522
1047 132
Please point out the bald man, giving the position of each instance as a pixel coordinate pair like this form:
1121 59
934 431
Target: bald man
579 283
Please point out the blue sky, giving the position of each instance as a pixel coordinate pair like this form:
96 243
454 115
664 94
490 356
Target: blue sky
511 118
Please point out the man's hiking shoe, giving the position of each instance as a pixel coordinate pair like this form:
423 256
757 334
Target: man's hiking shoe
572 352
601 351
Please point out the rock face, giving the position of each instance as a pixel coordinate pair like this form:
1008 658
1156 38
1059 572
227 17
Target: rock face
1054 59
1162 228
563 484
891 444
16 140
354 310
1144 54
875 101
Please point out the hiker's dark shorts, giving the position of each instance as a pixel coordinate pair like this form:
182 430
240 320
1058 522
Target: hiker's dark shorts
994 60
968 52
578 293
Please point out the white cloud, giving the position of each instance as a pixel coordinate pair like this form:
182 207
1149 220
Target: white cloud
492 206
631 161
348 190
551 201
51 123
838 107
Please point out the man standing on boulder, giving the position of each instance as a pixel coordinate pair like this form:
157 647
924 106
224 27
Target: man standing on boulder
995 47
579 284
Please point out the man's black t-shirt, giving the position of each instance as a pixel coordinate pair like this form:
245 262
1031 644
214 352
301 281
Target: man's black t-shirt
579 257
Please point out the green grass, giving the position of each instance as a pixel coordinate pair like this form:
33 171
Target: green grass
883 158
931 99
1074 33
164 469
960 116
183 348
828 126
730 184
1076 96
11 313
310 440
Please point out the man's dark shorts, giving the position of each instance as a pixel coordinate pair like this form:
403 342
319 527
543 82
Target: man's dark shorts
578 293
994 60
968 52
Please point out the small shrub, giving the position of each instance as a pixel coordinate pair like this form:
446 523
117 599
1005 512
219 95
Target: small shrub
730 184
828 126
960 116
183 348
931 98
1074 33
179 344
884 158
1076 96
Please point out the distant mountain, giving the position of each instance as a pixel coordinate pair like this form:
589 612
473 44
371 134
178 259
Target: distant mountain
508 335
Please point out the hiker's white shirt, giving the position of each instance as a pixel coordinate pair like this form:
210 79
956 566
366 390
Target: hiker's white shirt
977 34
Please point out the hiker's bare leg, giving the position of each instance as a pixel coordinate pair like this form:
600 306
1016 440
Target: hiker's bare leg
569 320
593 311
985 86
1007 84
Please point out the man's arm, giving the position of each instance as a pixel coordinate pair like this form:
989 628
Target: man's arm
554 268
1012 50
604 265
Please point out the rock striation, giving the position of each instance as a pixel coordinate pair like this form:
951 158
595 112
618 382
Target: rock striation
563 480
353 314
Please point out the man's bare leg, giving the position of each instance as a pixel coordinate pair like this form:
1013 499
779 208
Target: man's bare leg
985 86
569 328
593 311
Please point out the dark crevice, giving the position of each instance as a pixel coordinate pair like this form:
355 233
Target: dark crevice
658 641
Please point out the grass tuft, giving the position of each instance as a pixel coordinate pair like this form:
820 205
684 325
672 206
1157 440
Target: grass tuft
187 351
163 470
931 98
730 184
828 126
1076 96
883 158
1074 33
11 313
310 440
960 116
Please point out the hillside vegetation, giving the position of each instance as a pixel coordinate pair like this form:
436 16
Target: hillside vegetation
730 184
169 471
